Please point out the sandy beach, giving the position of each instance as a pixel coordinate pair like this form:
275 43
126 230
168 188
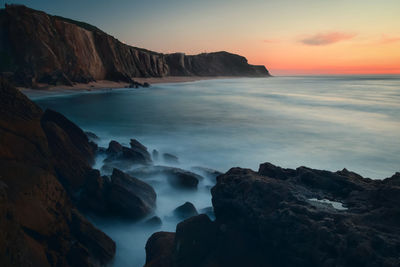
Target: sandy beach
106 84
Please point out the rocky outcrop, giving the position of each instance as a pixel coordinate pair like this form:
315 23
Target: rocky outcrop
185 211
291 217
212 64
38 220
176 177
39 48
129 196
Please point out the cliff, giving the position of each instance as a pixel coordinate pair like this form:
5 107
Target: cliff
44 162
39 48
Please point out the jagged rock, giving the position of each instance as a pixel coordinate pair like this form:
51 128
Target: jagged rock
185 211
154 221
169 158
119 156
130 197
39 223
269 218
159 249
176 177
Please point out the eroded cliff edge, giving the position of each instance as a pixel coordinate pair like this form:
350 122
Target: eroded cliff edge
39 48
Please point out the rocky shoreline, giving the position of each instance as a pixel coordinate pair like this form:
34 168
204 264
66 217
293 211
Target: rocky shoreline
269 217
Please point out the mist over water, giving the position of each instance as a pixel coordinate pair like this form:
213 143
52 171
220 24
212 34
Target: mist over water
319 122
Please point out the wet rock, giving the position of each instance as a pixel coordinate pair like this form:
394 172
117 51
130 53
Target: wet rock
114 148
119 156
140 148
176 177
267 217
169 158
97 243
154 221
159 249
195 239
130 197
185 211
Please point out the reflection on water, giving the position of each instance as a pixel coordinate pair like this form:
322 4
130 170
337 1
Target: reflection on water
320 122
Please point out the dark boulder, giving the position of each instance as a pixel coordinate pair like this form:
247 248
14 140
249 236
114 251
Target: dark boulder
140 148
169 158
176 177
159 248
272 218
98 243
114 148
195 240
130 197
185 211
154 221
119 156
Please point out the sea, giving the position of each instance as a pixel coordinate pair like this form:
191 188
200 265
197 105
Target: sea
322 122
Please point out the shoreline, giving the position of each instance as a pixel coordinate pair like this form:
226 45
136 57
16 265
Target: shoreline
110 85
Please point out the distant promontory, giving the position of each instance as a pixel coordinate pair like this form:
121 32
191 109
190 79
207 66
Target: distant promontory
37 48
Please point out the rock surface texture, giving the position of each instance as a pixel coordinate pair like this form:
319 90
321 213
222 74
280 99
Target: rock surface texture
275 217
39 48
39 223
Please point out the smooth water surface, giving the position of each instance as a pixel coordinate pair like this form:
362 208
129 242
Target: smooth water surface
319 122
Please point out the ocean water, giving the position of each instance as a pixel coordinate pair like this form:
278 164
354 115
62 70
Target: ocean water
324 122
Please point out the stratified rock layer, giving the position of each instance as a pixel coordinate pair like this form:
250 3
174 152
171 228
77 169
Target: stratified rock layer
39 48
273 218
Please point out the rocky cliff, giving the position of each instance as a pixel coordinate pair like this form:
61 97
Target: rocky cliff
44 162
285 217
39 48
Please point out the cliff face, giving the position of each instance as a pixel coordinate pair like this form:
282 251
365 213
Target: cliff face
41 156
39 48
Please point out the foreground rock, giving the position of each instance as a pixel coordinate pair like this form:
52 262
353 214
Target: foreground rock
119 156
176 177
169 158
159 248
129 196
39 224
119 195
185 211
268 218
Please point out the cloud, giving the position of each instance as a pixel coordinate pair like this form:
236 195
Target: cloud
327 38
270 41
385 39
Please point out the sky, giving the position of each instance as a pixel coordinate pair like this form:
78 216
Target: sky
289 37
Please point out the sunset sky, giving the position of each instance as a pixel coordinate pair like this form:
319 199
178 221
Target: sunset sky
287 36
